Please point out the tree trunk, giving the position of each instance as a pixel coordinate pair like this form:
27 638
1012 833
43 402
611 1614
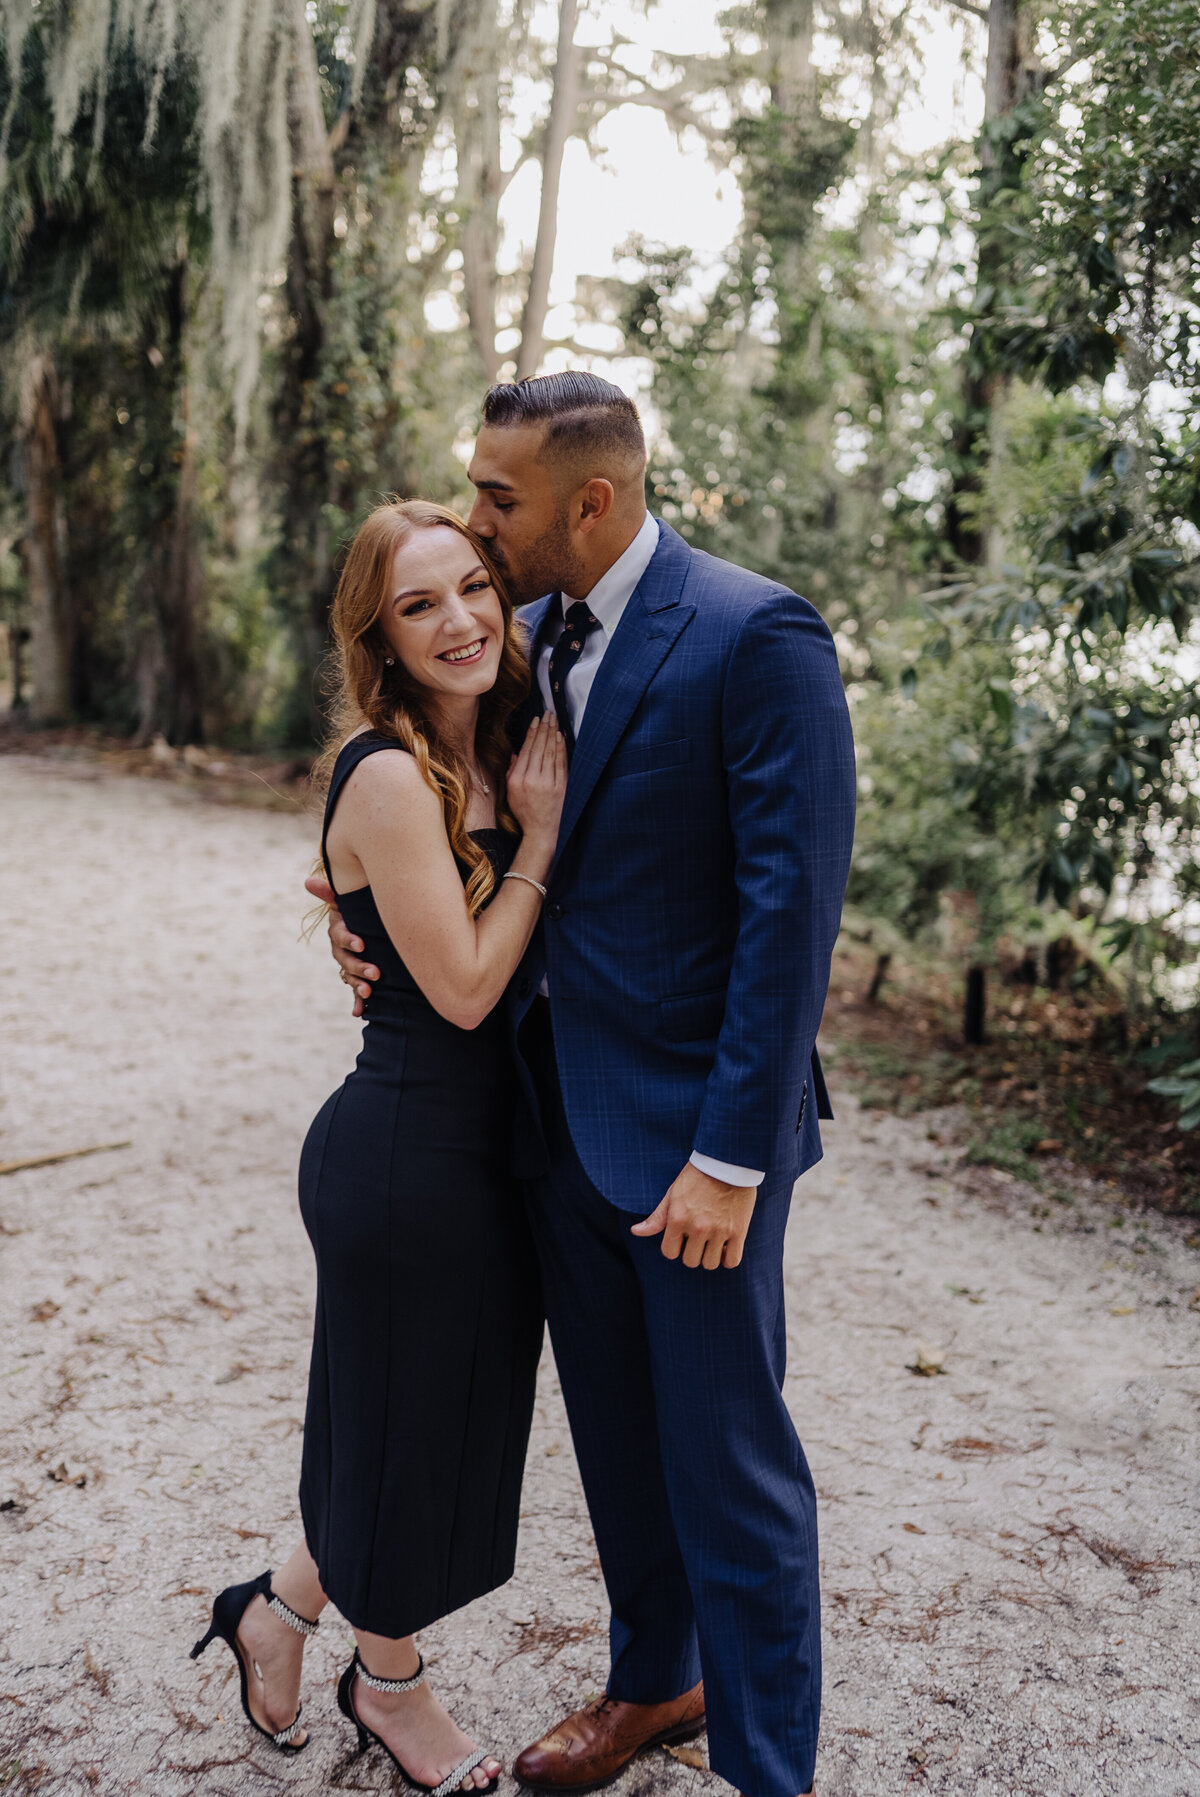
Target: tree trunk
480 183
182 601
789 44
302 560
882 963
49 624
564 104
1010 75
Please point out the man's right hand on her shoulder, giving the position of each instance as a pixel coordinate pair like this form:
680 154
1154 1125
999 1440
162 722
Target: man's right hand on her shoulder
344 947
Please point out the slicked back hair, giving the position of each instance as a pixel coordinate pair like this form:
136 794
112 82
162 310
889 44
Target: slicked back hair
591 426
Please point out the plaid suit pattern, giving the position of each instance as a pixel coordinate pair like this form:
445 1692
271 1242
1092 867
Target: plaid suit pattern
687 935
696 896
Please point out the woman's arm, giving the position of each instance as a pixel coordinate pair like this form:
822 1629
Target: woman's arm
393 823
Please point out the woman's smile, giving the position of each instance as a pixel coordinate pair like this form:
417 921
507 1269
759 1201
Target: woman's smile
467 653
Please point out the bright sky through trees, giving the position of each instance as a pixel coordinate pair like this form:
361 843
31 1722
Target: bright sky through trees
646 181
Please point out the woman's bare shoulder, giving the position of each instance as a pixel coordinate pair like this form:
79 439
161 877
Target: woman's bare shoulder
392 775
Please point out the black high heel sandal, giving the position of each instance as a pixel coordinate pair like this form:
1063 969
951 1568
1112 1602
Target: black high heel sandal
229 1606
366 1735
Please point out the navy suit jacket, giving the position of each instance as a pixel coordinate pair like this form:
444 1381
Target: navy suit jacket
696 891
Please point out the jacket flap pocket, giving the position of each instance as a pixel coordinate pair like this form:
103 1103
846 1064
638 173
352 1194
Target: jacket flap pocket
648 758
697 1016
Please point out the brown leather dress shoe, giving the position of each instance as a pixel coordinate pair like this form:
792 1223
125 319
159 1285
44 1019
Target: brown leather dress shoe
588 1749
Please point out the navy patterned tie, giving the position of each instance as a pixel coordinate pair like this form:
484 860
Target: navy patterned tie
566 652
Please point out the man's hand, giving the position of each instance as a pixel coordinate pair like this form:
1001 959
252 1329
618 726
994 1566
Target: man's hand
344 947
704 1218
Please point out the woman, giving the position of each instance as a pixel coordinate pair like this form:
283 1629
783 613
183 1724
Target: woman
428 1322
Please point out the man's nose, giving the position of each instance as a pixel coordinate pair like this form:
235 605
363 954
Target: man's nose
478 521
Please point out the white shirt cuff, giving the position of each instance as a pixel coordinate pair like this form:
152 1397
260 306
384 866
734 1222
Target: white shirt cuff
732 1176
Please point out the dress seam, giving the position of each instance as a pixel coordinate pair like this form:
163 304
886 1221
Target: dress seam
387 1407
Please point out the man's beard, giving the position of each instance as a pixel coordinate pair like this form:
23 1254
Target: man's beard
551 565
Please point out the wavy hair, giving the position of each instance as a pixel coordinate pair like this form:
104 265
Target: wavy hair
365 690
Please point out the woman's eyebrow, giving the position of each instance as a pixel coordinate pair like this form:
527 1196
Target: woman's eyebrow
428 593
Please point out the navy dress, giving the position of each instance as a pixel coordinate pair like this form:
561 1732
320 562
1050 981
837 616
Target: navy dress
429 1322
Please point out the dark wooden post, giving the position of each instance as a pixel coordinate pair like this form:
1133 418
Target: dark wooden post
975 1009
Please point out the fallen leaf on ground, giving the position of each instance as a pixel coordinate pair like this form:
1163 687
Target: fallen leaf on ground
554 1448
688 1756
41 1313
929 1361
973 1447
1122 1310
215 1304
913 1529
66 1154
61 1476
104 1554
1049 1145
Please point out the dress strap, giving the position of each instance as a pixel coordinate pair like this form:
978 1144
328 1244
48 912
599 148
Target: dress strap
368 742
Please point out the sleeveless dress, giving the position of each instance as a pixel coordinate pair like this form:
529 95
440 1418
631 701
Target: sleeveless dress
428 1321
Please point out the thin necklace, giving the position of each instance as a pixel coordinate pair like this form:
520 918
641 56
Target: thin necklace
478 780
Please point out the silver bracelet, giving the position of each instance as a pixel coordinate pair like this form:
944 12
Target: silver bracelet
529 880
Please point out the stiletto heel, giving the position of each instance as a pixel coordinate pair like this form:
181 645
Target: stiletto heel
200 1646
366 1735
229 1606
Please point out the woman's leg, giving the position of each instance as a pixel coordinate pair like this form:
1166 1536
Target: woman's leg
274 1652
423 1736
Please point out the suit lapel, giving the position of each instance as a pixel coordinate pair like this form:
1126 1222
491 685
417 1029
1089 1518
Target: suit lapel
651 625
532 621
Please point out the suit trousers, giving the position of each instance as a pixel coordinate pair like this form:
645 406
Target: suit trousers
698 1489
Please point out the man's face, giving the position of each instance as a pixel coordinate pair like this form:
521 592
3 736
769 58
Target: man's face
523 512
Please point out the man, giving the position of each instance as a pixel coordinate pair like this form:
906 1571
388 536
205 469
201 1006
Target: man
665 1020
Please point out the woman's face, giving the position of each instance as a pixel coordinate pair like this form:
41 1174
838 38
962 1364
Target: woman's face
442 619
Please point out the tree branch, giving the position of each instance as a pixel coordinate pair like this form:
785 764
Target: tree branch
1047 77
680 116
976 12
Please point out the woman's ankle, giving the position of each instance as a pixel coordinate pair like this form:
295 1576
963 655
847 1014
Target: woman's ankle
384 1657
298 1585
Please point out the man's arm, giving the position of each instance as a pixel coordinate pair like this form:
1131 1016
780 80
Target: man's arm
344 947
789 761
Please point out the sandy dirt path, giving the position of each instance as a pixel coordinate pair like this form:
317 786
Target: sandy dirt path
1010 1549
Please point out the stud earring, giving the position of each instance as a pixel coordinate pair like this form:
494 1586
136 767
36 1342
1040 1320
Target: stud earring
390 660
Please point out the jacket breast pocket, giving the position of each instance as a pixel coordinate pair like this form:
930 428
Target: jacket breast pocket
696 1017
651 758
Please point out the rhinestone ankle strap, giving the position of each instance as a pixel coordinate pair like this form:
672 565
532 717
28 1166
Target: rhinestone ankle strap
299 1623
287 1735
392 1684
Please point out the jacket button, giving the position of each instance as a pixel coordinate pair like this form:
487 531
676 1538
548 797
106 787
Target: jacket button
554 911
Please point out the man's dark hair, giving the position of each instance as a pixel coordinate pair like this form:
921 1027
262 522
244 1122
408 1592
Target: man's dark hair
586 419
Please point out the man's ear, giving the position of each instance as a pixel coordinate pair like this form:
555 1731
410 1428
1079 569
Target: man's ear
595 500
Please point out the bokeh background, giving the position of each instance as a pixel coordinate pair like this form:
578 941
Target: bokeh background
908 293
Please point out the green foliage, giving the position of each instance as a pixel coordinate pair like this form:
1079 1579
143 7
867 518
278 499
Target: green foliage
960 416
1183 1086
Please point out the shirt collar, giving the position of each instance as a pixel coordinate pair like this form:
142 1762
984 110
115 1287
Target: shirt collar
616 587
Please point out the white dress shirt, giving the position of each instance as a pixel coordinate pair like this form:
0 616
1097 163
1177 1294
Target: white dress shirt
606 602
